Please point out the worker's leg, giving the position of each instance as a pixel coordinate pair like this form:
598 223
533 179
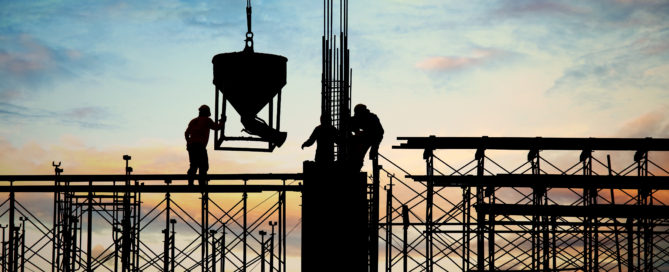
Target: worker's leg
193 160
374 151
204 166
358 151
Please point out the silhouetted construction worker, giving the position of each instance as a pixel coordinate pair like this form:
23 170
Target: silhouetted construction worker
324 135
197 137
367 132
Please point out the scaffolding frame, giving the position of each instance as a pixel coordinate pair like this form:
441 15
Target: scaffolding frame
225 235
536 216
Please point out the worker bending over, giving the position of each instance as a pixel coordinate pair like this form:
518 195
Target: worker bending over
367 133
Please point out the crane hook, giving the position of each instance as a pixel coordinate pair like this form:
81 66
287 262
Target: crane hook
249 34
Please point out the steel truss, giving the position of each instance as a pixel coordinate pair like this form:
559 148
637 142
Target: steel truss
235 231
561 206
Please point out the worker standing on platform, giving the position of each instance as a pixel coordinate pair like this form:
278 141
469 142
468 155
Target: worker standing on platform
325 136
197 137
367 132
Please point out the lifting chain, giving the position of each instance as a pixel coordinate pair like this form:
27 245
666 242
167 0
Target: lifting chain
249 33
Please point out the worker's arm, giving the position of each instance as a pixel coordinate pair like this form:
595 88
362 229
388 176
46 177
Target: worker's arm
311 140
187 132
216 126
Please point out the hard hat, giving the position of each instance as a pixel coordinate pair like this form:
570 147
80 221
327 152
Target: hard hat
360 108
205 109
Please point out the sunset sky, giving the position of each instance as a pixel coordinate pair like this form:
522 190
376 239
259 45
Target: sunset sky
85 82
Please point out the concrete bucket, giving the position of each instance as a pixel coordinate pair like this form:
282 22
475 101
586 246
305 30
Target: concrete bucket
250 81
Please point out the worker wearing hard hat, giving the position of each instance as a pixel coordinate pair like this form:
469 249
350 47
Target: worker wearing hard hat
367 132
197 137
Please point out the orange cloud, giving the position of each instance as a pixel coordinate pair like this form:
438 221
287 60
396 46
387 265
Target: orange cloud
450 63
651 124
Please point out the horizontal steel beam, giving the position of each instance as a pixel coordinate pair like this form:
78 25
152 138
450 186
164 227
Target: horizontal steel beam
151 188
618 211
550 181
536 143
147 177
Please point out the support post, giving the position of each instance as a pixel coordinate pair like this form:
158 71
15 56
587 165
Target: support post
480 217
630 244
405 243
213 250
389 223
172 245
271 247
244 208
89 234
23 243
204 235
223 248
166 232
428 156
262 250
12 230
126 241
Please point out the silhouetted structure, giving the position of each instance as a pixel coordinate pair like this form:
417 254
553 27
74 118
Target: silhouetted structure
336 74
249 81
538 216
197 137
338 190
482 215
224 231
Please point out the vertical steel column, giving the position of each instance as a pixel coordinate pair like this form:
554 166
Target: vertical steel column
546 238
89 234
271 247
3 258
646 196
282 227
480 217
554 242
405 228
172 245
262 250
466 228
126 241
428 155
166 245
55 242
204 235
116 230
630 244
12 229
137 208
389 223
23 243
244 208
213 250
223 248
537 193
